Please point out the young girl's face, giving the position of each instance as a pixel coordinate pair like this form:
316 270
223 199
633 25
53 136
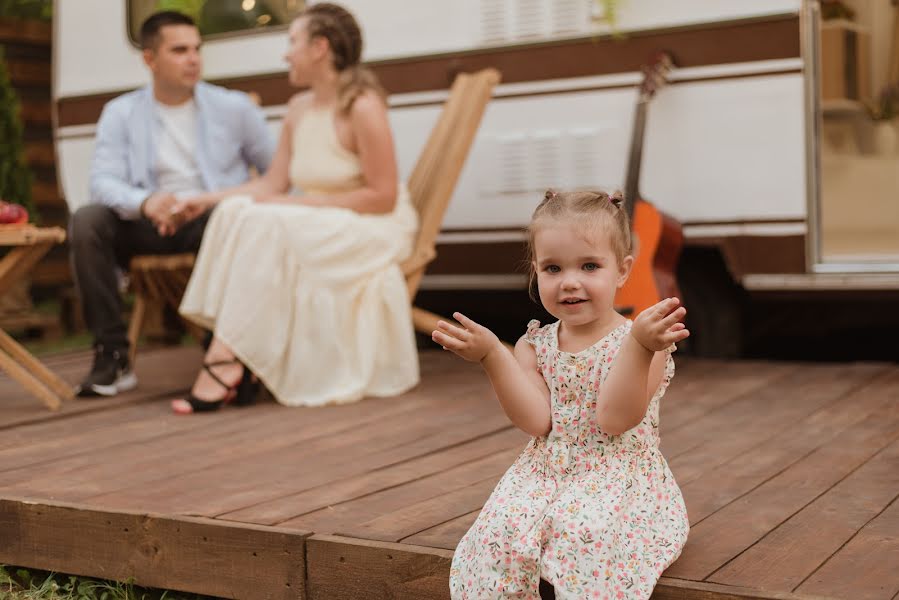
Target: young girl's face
577 272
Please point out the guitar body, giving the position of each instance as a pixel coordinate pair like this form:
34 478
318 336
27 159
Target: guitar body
658 240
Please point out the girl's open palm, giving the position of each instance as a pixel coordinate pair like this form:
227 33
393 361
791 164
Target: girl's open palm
471 341
660 325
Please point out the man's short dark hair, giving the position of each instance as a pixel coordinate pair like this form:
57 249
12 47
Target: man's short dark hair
149 30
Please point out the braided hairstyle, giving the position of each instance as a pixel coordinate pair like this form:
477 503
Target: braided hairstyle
339 27
589 208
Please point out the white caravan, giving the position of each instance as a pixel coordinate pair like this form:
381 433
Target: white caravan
742 147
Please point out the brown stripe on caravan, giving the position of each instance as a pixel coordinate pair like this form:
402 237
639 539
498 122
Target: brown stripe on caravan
743 255
746 40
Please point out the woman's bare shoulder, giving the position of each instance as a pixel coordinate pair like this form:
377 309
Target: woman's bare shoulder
367 105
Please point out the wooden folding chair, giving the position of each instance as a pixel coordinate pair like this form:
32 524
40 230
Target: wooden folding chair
160 280
434 177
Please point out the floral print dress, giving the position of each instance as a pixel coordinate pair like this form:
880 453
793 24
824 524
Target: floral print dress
597 516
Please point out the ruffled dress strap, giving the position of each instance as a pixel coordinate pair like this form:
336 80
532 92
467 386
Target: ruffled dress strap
533 335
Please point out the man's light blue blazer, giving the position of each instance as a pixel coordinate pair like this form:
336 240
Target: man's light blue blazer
231 136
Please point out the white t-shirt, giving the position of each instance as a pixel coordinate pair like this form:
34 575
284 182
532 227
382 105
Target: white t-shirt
176 163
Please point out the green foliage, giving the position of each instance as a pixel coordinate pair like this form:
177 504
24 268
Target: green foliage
15 178
608 11
223 15
27 9
38 585
191 8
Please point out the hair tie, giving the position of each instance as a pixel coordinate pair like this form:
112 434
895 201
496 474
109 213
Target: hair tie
616 200
550 195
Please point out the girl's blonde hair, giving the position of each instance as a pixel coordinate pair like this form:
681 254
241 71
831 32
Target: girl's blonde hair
337 25
588 208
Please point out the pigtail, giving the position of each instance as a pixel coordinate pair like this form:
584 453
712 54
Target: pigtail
617 199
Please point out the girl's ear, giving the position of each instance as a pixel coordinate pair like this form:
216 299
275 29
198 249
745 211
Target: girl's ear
624 269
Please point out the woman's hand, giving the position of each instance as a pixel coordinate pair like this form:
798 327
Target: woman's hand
188 209
659 326
472 341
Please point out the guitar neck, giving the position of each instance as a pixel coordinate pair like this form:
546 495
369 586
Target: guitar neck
632 181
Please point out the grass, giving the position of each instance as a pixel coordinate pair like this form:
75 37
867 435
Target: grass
24 584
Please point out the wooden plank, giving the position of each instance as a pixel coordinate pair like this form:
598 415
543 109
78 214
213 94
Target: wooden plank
193 555
347 516
730 480
27 31
28 72
446 535
712 441
45 194
784 558
40 153
152 441
366 480
36 113
343 567
231 439
373 426
702 386
340 567
418 517
159 373
669 588
866 567
740 524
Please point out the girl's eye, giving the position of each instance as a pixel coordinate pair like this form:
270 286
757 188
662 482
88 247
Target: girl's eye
553 268
590 266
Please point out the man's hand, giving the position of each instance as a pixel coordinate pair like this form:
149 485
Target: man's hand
659 326
158 209
472 342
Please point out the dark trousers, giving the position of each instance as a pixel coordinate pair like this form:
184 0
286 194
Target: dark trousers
100 241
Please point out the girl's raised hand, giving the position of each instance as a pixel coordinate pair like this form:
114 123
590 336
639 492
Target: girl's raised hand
472 341
659 326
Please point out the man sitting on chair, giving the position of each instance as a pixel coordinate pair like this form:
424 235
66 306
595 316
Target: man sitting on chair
174 138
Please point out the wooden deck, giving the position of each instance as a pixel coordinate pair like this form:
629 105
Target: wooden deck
790 472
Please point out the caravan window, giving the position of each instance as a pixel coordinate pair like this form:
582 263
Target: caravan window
218 16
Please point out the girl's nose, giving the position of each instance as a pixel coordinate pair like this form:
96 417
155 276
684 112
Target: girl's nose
570 283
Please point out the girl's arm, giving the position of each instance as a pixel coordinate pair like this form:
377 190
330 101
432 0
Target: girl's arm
518 385
639 367
374 145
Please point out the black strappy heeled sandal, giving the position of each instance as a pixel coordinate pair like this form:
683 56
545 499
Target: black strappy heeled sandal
247 389
231 391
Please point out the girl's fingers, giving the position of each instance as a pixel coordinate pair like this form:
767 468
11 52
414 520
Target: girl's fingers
447 341
674 317
466 322
450 329
665 306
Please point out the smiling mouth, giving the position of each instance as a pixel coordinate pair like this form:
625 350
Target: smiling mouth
574 301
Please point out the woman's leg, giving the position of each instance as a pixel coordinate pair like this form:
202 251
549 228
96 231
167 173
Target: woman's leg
205 387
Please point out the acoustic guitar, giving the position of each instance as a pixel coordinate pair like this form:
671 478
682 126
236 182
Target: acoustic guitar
658 238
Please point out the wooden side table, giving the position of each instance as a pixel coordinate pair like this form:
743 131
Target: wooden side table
29 244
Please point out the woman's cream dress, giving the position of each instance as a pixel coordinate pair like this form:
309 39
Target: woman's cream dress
311 299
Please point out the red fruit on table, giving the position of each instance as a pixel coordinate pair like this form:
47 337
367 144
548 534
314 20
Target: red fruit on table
12 213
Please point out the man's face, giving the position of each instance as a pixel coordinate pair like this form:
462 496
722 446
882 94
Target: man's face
175 61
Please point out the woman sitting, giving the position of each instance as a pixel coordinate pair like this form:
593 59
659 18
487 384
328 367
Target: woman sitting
302 288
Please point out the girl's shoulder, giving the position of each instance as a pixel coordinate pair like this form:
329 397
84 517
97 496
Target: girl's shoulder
537 335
